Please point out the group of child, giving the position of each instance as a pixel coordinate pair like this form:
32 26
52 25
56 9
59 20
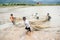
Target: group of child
26 22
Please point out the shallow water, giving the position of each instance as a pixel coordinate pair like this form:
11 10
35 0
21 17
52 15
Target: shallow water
28 11
50 33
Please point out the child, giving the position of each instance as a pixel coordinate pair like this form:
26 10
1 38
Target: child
49 17
26 22
12 19
37 16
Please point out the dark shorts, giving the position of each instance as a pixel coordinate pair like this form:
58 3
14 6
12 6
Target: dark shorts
28 29
37 17
13 22
49 18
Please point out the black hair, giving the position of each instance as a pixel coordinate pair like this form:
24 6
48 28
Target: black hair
11 14
24 17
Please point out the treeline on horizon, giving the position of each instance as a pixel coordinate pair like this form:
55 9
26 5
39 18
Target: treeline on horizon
23 4
15 4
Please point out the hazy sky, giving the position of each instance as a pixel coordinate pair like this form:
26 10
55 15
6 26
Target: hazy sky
31 1
47 0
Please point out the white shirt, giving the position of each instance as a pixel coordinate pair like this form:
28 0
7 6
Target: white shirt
26 22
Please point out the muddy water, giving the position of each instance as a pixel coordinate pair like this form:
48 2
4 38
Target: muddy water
29 11
50 33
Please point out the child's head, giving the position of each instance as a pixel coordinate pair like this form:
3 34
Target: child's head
24 18
11 14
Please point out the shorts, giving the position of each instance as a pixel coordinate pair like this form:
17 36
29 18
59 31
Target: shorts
13 22
28 29
37 17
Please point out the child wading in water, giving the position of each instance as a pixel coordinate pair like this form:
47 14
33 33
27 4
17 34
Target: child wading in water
12 19
26 22
48 17
37 16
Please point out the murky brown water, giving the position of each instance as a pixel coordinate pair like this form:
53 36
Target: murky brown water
50 33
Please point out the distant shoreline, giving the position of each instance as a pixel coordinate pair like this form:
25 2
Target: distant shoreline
29 4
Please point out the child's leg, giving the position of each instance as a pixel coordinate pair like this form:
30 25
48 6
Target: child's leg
30 29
